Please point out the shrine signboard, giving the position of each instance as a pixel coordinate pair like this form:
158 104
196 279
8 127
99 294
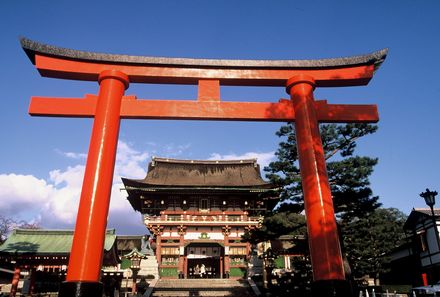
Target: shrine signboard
114 73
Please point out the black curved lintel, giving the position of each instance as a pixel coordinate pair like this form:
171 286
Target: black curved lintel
32 48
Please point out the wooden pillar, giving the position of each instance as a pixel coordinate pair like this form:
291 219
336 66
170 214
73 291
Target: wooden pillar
185 266
88 241
133 283
226 263
221 266
159 249
32 284
15 280
181 264
325 251
425 279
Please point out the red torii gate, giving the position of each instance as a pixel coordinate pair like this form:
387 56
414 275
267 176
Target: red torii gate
115 72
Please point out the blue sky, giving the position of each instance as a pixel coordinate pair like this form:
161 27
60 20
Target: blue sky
42 159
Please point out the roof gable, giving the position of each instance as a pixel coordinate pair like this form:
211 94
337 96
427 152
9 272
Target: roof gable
420 214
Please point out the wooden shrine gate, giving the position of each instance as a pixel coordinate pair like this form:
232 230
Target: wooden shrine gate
114 73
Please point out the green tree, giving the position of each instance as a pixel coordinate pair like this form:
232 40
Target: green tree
285 220
369 239
348 177
348 174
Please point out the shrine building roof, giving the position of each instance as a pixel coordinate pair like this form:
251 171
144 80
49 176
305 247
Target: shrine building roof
163 172
45 242
418 215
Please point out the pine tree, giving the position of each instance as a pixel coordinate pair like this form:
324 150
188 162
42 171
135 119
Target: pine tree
368 240
348 174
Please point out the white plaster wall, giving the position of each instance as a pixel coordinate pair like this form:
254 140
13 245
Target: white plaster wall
171 234
429 256
196 235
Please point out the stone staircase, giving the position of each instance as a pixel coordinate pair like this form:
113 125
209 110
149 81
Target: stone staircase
149 267
202 287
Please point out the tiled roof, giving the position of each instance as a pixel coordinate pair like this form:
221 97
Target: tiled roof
420 214
164 172
40 241
129 242
427 211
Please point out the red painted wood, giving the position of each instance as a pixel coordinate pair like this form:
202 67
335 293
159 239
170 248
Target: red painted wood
133 108
325 252
86 70
15 281
88 241
110 106
209 90
425 279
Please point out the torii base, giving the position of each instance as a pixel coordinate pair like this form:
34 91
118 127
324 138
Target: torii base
331 288
80 289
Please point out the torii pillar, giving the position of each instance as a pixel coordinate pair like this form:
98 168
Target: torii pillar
325 251
115 72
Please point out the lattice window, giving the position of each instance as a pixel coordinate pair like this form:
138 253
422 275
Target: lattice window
237 251
169 251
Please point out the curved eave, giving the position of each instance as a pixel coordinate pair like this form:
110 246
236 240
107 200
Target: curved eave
13 252
32 48
134 253
140 185
201 189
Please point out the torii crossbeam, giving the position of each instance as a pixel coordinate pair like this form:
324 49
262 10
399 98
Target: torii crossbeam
115 72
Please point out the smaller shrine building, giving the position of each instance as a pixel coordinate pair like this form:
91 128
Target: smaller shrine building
42 256
198 210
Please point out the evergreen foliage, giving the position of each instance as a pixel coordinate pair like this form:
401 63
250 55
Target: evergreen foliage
348 174
284 221
368 240
369 233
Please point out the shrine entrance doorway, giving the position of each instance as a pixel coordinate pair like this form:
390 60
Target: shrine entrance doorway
204 260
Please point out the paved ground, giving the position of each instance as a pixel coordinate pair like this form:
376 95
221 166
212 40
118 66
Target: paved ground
202 287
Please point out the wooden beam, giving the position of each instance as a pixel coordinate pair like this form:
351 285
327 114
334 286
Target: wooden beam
133 108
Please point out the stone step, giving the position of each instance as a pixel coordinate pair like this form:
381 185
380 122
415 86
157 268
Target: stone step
201 287
190 283
225 293
149 267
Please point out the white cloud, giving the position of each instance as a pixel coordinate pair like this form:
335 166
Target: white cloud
129 162
173 150
262 158
23 193
72 177
72 155
54 202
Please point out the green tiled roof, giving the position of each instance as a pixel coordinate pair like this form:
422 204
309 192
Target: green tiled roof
36 241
